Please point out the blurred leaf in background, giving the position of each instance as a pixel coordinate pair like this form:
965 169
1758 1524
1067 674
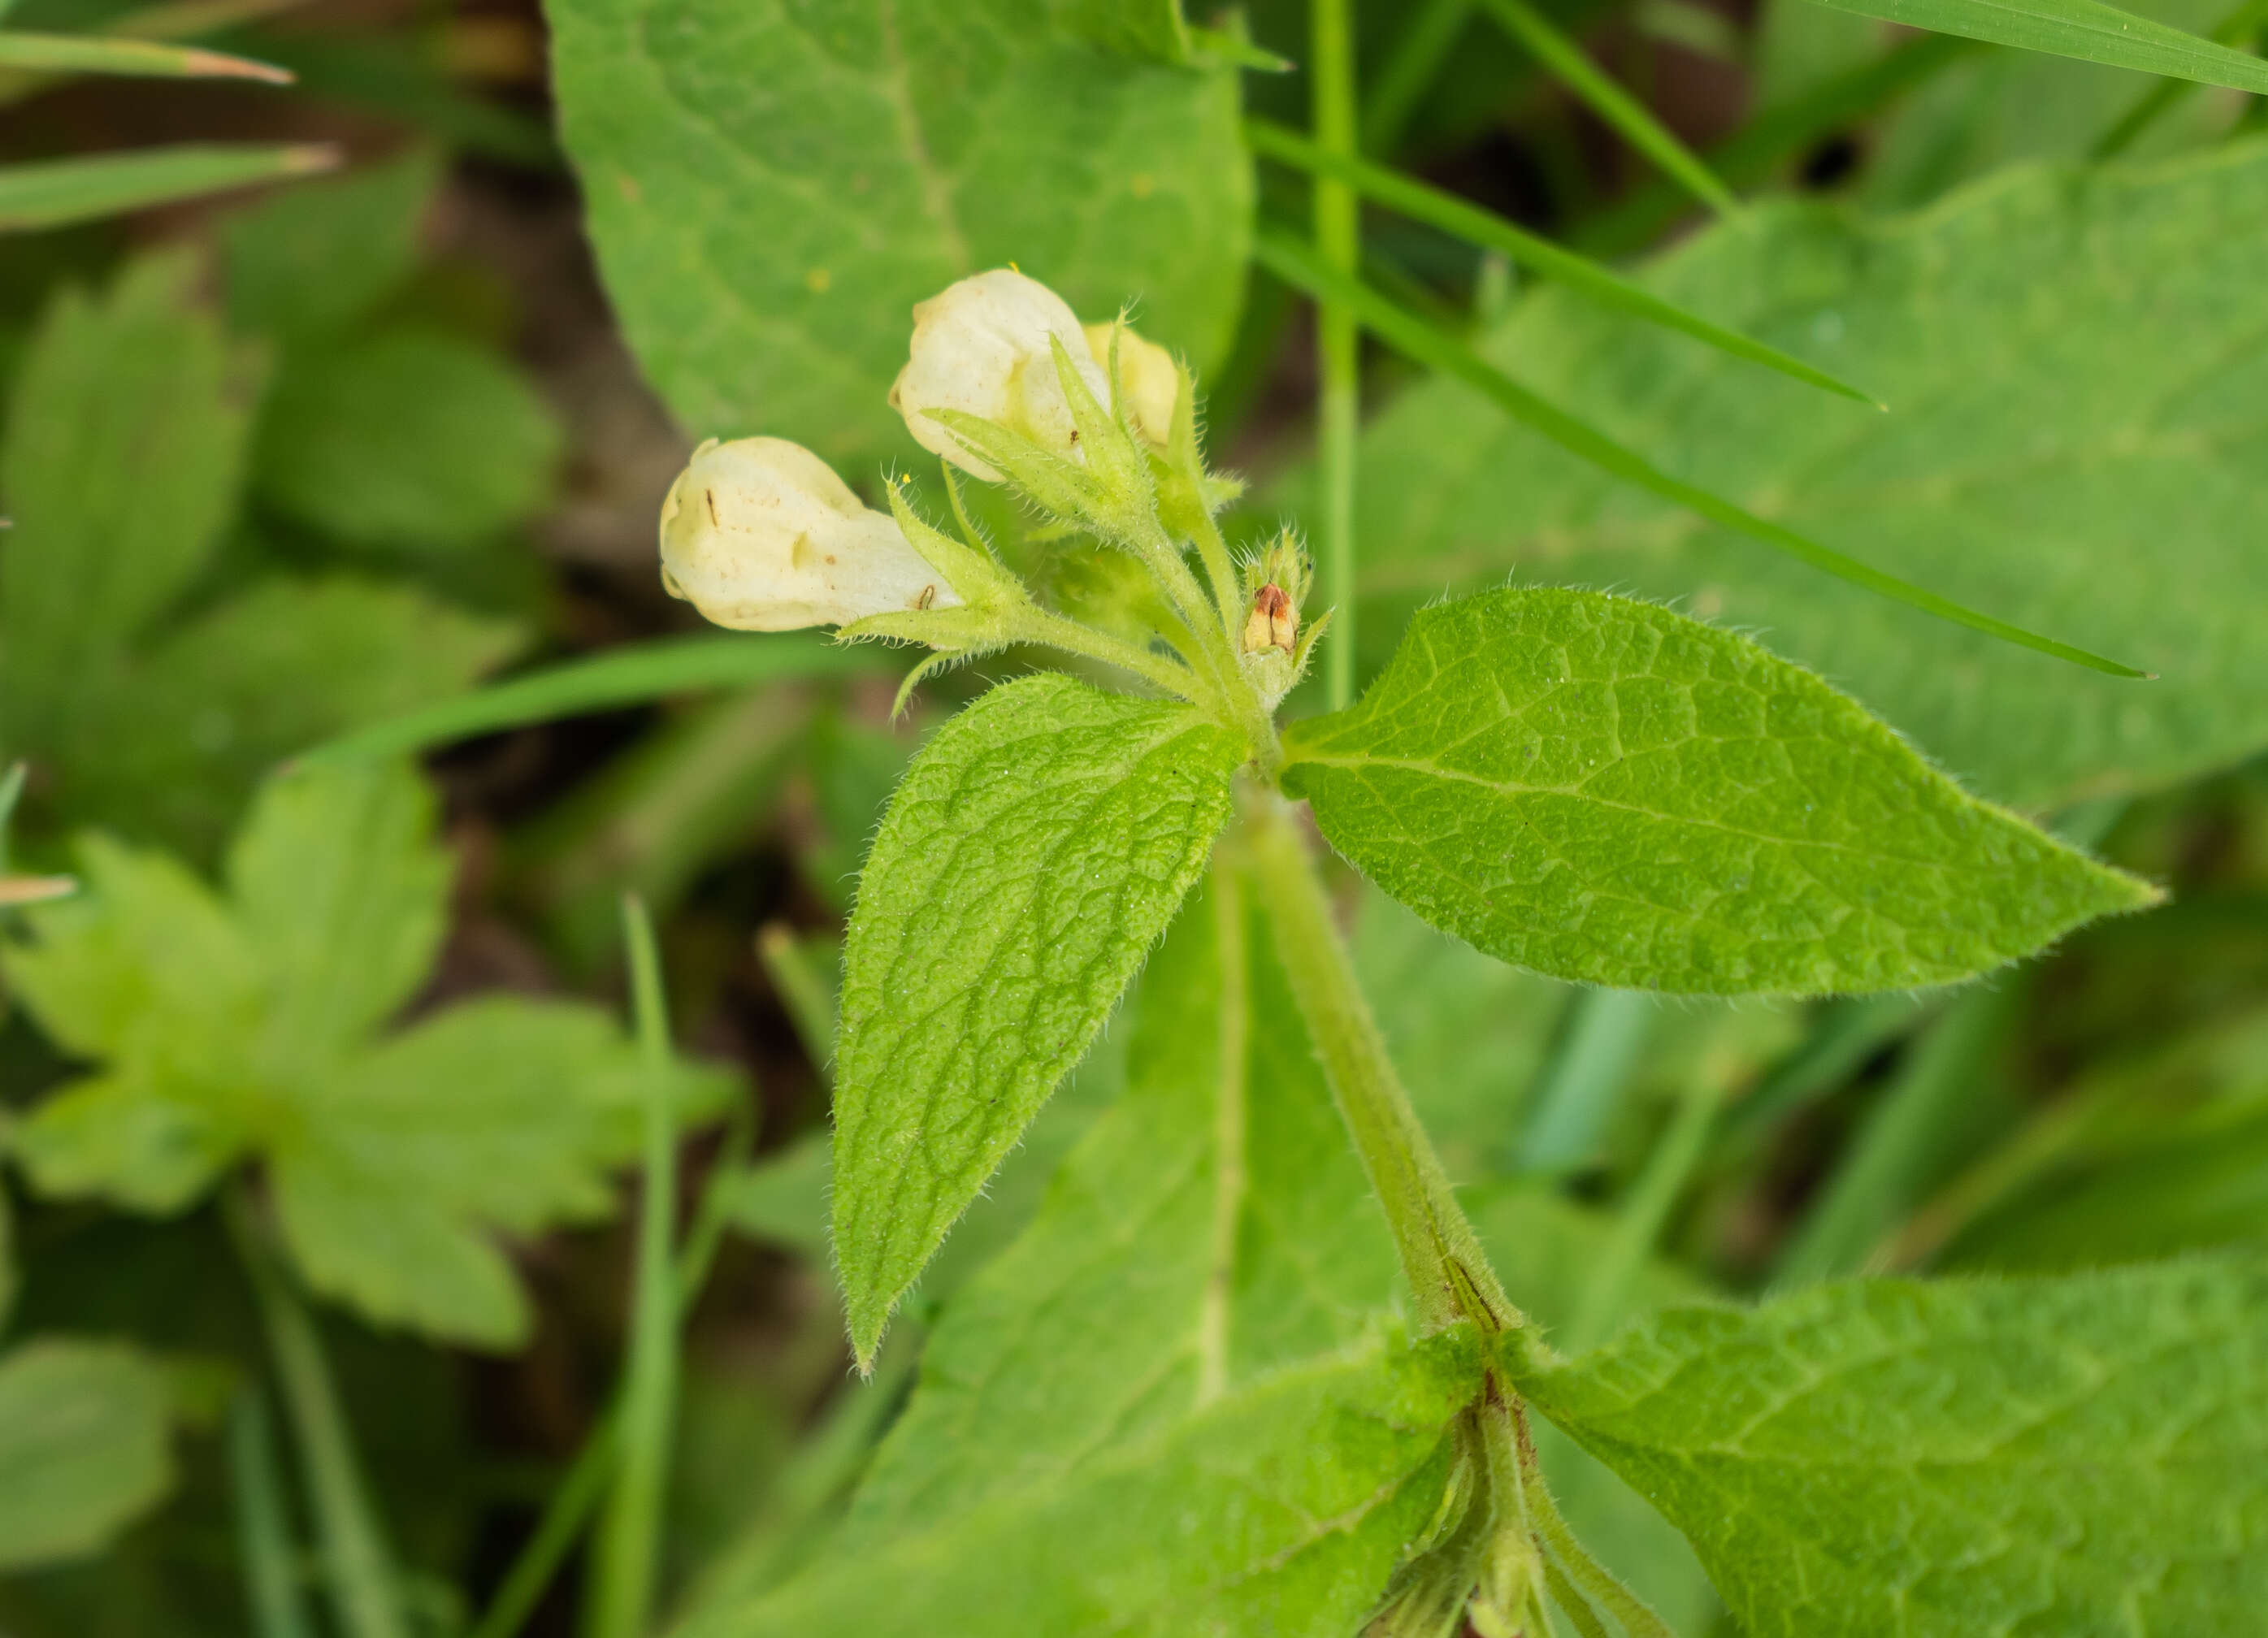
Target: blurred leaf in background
246 1027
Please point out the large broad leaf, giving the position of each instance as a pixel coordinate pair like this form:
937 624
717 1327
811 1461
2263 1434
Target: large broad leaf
1211 1233
83 1445
1035 851
2061 451
2079 1456
222 1028
1604 790
772 184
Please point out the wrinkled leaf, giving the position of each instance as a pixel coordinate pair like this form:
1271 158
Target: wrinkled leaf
2061 452
771 187
2076 1456
1036 851
1607 791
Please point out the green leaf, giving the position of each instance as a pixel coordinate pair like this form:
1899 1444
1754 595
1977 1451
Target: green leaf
2084 29
1150 29
771 189
22 52
209 709
2058 447
1281 1508
84 1442
2075 1456
244 1026
310 261
55 193
1035 852
1607 791
406 439
137 380
339 881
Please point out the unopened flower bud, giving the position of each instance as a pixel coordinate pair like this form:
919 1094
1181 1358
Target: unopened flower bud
760 535
1149 380
1274 623
981 346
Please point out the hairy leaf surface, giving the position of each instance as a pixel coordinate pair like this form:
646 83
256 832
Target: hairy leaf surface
2077 1455
772 186
2077 423
1035 852
1604 790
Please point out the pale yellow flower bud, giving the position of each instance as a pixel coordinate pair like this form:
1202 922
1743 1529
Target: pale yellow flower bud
981 346
1149 381
760 535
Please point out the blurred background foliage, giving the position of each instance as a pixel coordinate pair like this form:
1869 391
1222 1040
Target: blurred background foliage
340 1050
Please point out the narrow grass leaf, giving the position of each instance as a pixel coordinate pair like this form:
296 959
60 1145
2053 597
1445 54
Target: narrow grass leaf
2084 29
634 674
2233 30
1422 202
624 1570
1609 101
1292 261
265 1547
55 193
92 54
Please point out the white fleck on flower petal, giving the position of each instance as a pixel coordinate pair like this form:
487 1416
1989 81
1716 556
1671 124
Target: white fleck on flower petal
981 346
760 534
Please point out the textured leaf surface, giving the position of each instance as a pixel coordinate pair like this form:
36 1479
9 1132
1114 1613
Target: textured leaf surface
2079 1456
223 1027
83 1443
1035 852
1604 790
2076 430
1279 1508
409 439
772 186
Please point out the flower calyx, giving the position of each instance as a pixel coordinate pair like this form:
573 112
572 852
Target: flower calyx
1273 648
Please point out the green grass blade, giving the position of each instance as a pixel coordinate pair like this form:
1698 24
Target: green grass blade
1417 58
263 1530
365 1595
1610 102
623 1571
631 675
1422 202
1601 1037
2239 26
1290 261
2085 29
1755 152
55 193
93 53
1338 408
580 1489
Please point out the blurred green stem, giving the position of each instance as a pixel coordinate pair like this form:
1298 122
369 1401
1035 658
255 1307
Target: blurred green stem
1337 241
358 1567
625 1566
1601 1037
1639 1224
576 1494
1417 57
263 1530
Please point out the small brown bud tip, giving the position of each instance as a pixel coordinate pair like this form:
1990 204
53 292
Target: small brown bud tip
1273 623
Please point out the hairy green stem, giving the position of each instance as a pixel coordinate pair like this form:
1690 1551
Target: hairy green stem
364 1592
625 1567
1338 242
1441 1256
1220 568
1051 630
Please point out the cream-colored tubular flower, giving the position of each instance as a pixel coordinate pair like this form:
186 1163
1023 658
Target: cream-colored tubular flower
981 346
1149 381
760 535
